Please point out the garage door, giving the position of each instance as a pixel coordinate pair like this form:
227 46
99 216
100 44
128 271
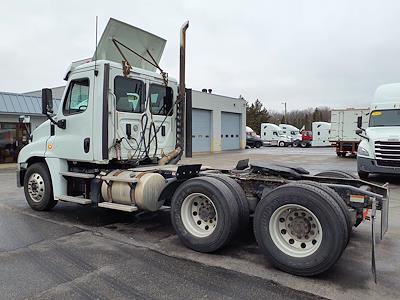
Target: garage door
201 131
230 131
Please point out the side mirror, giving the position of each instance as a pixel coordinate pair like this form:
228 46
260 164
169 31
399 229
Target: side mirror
47 101
359 122
359 131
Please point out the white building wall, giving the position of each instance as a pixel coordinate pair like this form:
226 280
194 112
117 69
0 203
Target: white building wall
218 104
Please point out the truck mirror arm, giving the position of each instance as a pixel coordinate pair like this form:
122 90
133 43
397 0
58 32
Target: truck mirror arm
359 133
60 124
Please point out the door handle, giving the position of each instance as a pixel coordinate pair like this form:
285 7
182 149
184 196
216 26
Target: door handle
86 145
163 130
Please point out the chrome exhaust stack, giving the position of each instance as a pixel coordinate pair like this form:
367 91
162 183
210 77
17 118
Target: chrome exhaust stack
182 61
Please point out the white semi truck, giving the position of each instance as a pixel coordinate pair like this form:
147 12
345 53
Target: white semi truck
296 137
117 137
321 132
272 134
379 149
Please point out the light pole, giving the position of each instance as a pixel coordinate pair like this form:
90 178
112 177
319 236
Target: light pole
284 103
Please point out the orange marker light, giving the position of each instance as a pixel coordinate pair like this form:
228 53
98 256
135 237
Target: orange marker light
49 146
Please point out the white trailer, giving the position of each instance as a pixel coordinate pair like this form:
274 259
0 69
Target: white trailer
115 143
273 135
321 133
343 129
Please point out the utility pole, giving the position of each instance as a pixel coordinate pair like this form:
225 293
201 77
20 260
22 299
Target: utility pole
284 103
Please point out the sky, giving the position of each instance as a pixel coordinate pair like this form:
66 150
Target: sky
305 53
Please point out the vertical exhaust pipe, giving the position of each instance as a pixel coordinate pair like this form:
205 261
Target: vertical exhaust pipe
182 61
181 99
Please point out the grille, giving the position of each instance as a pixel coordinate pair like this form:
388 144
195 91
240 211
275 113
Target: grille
387 153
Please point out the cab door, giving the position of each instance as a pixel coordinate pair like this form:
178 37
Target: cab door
162 112
74 142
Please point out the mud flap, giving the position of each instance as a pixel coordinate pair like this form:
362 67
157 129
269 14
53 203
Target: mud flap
373 214
385 214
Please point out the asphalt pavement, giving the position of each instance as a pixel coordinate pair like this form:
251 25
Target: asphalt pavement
76 252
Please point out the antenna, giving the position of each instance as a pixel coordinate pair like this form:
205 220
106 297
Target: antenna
96 72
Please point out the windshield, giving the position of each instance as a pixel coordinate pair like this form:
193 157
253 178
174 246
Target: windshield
390 117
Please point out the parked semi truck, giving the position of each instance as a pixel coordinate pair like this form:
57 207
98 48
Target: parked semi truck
343 130
120 131
321 133
379 149
272 134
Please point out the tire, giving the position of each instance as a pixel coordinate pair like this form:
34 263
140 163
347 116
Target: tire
325 248
303 144
222 225
296 144
336 174
281 144
363 175
258 145
240 198
339 201
38 187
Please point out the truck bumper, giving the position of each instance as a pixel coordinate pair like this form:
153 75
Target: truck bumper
370 165
21 170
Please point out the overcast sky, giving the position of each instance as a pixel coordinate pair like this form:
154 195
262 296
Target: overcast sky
307 53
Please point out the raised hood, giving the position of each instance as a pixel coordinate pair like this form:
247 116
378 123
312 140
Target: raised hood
136 39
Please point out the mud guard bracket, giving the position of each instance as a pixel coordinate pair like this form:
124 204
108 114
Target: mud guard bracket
373 215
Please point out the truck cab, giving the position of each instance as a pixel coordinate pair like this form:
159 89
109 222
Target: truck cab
379 149
321 132
272 134
112 115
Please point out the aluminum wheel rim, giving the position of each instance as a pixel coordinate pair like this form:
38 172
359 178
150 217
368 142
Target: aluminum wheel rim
199 215
36 188
295 230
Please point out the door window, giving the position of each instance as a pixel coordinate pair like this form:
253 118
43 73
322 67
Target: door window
77 97
130 94
160 100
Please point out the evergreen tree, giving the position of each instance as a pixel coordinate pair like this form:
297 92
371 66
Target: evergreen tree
255 115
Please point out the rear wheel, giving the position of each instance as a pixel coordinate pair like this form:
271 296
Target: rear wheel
301 229
38 187
303 144
339 201
203 214
240 198
258 145
281 144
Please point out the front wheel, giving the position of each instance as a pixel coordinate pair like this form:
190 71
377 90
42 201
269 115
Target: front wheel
281 144
258 145
38 187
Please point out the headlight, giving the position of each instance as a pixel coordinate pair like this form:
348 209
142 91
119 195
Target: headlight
362 151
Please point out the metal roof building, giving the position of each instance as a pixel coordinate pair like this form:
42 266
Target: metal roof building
20 104
13 134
